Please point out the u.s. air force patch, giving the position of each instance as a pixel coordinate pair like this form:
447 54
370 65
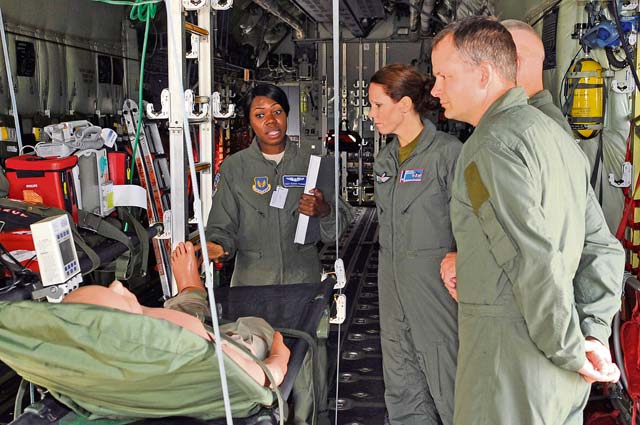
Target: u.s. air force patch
261 185
216 183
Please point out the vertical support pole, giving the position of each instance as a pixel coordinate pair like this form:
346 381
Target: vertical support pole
324 125
635 148
376 134
205 78
384 55
98 94
344 101
176 49
360 122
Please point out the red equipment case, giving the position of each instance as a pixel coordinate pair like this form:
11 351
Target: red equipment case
48 181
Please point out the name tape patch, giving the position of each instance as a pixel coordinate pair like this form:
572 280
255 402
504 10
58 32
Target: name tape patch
294 181
412 176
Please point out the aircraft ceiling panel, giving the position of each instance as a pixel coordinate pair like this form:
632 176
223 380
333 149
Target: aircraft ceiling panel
352 12
366 9
319 10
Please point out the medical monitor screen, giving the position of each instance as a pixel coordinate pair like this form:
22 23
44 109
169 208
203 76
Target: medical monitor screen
66 250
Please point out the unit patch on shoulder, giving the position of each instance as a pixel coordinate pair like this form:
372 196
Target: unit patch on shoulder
294 181
261 185
477 191
412 176
383 178
216 182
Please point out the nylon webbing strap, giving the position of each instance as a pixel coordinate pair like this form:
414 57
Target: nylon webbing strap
91 254
569 103
143 238
127 262
596 170
99 225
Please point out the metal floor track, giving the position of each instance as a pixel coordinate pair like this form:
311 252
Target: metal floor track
360 383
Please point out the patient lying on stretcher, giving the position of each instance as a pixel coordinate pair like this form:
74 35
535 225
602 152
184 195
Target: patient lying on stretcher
189 307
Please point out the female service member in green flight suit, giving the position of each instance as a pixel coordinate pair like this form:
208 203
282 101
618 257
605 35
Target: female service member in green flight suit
418 318
248 220
254 214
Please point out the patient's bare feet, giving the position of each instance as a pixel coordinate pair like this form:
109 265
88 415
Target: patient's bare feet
185 267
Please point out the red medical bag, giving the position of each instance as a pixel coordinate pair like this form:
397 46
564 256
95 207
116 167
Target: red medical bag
46 181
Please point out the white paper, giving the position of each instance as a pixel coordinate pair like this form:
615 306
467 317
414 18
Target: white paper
129 195
279 197
312 178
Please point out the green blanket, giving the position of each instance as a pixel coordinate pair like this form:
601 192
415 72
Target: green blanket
106 363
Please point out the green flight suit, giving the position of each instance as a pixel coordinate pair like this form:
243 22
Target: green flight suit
417 315
261 236
544 102
537 270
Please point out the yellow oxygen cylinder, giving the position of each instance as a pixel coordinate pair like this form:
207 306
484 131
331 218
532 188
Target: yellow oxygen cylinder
585 86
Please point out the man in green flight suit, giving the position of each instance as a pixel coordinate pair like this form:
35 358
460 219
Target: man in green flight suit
539 275
530 53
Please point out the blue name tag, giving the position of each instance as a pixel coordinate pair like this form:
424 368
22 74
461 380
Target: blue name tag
294 181
412 176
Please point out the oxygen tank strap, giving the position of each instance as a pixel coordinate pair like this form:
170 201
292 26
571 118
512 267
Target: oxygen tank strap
596 170
567 106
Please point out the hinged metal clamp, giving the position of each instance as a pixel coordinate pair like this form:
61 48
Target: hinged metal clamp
627 173
191 114
165 104
340 301
624 87
193 4
226 4
195 47
216 112
166 224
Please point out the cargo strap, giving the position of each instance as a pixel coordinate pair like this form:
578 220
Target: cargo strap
133 259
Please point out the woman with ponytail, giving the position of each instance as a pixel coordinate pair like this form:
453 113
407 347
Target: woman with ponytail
418 318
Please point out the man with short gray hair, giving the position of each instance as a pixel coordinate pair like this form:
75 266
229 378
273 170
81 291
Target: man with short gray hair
530 51
539 275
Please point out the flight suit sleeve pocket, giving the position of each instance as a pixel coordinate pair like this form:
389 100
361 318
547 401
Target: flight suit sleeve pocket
500 245
477 191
